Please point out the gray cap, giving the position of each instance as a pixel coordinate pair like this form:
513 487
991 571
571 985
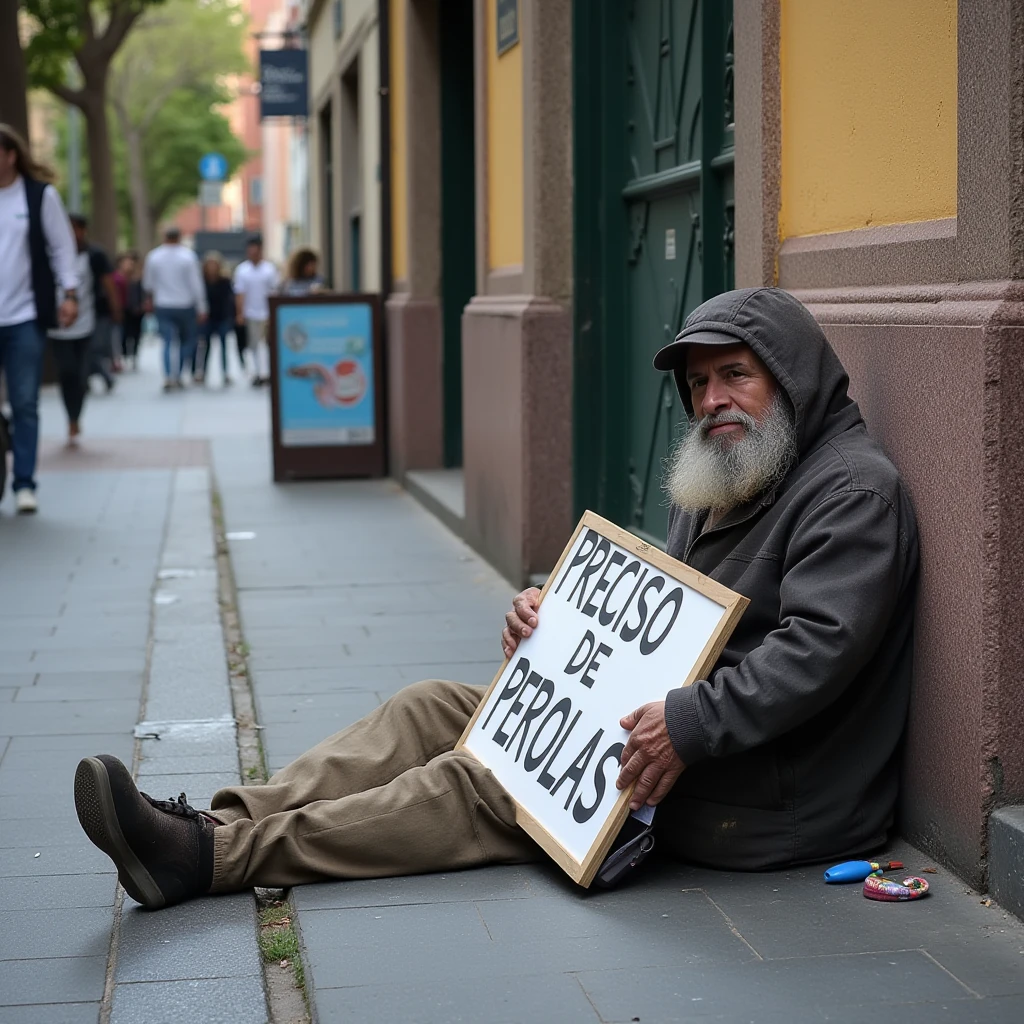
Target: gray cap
673 355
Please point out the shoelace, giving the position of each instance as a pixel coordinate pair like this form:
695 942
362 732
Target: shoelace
180 807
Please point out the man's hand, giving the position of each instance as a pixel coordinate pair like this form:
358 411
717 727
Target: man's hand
68 312
521 621
649 757
201 318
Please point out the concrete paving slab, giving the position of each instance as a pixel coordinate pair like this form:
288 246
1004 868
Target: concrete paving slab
209 1001
73 979
209 938
334 711
490 883
64 692
51 1013
81 858
77 717
41 832
200 764
66 759
113 659
33 782
36 933
279 682
53 892
544 997
793 986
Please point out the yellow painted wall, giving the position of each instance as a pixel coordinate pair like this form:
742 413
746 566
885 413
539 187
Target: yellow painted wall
504 147
868 113
399 153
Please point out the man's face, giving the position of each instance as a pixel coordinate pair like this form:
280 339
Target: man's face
8 159
744 440
725 380
80 235
254 252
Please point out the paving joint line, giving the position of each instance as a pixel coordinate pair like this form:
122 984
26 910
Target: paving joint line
109 980
288 995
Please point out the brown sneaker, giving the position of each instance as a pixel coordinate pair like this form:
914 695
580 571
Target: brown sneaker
163 849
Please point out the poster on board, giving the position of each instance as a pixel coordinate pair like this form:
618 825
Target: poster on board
326 386
620 624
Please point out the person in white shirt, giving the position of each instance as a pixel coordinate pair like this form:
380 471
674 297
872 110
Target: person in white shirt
37 252
255 281
173 281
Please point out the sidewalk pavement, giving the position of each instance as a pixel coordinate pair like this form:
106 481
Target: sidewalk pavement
347 592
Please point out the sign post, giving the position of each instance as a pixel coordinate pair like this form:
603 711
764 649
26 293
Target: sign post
327 386
621 624
213 169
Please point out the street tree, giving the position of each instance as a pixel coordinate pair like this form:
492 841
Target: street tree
89 32
182 47
13 84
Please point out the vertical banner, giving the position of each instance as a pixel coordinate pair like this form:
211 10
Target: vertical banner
327 386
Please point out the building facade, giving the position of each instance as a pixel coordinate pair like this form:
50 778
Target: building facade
562 182
344 141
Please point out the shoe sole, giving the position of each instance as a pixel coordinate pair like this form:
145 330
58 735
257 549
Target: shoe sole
94 803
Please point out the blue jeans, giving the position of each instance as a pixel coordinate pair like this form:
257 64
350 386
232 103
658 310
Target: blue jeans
21 359
180 324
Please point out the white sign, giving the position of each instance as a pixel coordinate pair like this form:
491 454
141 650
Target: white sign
620 624
670 243
209 193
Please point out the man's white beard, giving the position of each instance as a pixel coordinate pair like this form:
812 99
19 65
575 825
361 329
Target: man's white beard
714 474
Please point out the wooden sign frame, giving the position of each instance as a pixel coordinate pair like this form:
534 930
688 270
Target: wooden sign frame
733 604
329 461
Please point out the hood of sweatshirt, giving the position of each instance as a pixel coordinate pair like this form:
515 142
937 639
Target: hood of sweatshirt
789 341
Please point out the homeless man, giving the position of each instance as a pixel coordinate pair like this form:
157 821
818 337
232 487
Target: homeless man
787 753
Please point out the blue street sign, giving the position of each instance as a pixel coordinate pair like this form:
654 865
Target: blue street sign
213 167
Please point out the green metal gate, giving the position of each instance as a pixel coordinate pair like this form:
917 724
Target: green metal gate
653 112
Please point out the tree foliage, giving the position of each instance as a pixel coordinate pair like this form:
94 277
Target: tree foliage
188 126
165 86
90 32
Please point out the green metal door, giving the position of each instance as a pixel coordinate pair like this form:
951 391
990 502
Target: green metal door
654 227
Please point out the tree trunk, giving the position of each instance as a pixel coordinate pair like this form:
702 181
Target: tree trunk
13 86
142 223
103 220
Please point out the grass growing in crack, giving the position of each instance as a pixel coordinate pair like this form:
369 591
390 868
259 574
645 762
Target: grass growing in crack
278 942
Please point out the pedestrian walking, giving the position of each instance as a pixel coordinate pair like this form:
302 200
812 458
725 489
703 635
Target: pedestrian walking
220 300
303 278
173 283
75 349
106 305
255 281
37 252
128 282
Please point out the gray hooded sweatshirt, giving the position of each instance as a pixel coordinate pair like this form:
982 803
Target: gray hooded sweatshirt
792 745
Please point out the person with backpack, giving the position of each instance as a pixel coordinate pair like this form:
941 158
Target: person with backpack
37 252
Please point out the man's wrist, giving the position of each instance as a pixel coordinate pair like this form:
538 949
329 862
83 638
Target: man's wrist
683 724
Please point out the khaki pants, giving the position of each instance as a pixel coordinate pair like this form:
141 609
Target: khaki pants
386 796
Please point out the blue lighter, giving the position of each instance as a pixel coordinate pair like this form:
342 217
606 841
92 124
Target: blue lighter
858 870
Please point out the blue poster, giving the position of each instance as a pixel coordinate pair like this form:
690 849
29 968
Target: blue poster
325 379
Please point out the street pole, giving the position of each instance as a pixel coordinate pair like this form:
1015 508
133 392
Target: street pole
74 148
74 159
